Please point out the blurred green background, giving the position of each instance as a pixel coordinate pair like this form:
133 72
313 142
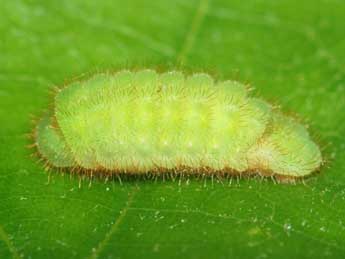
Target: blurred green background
293 52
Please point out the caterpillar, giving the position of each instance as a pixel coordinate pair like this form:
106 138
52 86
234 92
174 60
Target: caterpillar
135 122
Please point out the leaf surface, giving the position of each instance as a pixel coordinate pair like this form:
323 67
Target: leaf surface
291 51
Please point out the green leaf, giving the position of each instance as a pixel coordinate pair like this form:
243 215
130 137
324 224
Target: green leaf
291 51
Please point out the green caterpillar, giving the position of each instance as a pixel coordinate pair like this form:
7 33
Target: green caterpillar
139 122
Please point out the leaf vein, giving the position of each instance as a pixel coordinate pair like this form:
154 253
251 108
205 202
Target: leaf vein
193 30
103 243
4 237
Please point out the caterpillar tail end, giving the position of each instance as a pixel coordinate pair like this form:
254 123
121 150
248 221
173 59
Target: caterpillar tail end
50 144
